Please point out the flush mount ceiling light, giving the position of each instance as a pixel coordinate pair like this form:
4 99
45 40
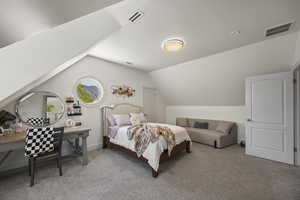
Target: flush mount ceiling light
174 44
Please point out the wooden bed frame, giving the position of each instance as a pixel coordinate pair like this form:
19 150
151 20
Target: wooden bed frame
126 109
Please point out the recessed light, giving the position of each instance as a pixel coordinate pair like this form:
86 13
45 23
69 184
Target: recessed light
173 44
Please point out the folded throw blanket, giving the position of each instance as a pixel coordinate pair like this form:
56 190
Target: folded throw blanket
144 133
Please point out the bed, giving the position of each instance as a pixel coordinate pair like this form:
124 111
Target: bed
156 152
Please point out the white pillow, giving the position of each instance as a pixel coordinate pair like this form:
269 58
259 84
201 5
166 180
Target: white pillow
122 119
135 120
140 116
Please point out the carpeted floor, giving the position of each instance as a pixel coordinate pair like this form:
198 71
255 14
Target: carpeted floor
205 174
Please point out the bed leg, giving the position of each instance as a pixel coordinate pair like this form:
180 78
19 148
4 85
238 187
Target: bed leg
188 147
105 142
154 173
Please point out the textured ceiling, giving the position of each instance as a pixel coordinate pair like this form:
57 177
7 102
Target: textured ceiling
205 25
20 19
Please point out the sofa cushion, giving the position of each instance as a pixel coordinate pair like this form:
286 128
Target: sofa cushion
181 121
212 124
224 127
202 125
205 132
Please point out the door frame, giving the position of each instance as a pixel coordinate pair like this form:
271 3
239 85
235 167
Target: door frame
296 75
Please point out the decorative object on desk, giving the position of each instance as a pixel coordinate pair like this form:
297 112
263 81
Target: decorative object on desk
88 91
123 91
39 109
19 127
8 131
1 131
74 109
70 100
70 123
6 119
77 124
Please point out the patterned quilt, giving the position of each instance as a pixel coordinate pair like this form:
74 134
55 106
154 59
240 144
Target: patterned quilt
143 134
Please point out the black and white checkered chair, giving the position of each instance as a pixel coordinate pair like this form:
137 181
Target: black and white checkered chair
43 144
38 121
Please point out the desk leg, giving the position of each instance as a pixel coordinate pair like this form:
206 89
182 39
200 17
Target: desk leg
77 149
84 150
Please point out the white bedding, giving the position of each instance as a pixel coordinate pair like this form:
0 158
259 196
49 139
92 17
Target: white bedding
154 150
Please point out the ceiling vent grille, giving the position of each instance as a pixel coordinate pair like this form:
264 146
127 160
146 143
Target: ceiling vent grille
136 16
278 29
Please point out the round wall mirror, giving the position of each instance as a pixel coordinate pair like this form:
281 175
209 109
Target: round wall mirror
40 109
88 91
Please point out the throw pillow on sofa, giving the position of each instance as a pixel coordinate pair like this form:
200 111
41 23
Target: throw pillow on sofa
183 122
202 125
224 127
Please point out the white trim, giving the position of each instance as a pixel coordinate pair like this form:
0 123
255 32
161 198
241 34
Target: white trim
297 114
94 147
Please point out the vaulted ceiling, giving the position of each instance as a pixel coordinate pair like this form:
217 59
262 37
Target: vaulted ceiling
20 19
205 25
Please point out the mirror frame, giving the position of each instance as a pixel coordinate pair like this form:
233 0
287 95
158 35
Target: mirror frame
51 94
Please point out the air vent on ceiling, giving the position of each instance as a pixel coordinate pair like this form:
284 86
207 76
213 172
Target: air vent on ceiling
278 29
136 16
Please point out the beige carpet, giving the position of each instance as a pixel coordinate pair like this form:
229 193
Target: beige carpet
205 174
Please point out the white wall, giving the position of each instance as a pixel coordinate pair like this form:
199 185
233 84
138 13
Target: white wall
219 80
26 61
228 113
108 74
297 50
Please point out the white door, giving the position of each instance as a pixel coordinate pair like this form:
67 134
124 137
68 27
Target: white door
149 103
269 127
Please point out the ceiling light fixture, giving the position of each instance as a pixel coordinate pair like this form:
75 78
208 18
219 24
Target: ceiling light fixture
174 44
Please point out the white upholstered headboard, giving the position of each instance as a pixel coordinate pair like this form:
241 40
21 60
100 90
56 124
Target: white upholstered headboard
123 108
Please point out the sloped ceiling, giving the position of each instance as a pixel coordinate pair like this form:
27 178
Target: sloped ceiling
20 19
205 25
219 80
30 62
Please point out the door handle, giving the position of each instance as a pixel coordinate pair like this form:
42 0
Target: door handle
249 120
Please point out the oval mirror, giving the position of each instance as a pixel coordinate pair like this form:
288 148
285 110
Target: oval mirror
40 109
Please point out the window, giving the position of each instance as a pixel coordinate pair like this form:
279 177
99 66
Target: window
88 91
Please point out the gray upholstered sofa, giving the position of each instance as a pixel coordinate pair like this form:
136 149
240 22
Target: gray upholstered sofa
218 133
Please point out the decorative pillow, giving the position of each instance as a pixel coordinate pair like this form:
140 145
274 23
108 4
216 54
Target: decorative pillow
202 125
141 116
135 120
183 122
111 121
122 119
224 127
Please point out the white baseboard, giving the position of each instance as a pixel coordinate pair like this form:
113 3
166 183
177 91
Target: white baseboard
94 147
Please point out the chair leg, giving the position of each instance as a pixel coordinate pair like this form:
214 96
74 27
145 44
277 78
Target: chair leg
29 166
32 171
57 162
60 166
